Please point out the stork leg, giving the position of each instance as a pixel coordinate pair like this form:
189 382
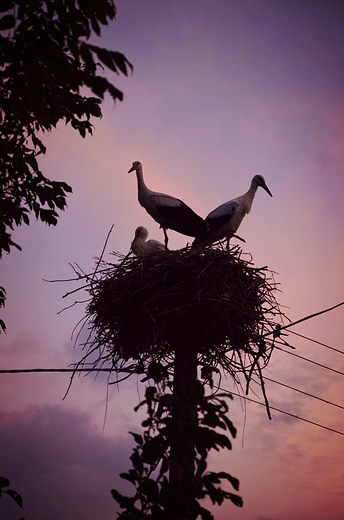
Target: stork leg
166 238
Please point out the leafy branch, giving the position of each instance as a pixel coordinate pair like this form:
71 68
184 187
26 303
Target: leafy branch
45 59
156 496
4 483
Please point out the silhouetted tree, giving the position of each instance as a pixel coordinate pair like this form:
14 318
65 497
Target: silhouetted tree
45 59
179 496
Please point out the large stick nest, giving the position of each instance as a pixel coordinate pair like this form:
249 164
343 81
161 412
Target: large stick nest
142 309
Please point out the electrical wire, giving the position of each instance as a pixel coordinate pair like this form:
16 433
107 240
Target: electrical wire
286 413
73 370
304 393
305 318
310 361
317 342
69 370
40 370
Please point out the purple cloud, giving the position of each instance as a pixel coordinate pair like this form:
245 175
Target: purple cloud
60 464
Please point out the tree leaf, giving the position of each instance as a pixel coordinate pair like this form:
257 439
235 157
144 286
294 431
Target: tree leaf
7 22
237 501
138 438
4 482
234 481
6 5
2 325
122 63
230 426
131 476
48 216
149 488
16 497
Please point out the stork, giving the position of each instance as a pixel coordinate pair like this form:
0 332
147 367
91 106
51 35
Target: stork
140 246
225 220
169 212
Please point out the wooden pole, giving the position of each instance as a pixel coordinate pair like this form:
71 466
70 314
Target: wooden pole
182 456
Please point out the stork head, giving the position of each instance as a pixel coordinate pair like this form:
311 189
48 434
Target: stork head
141 232
259 180
136 165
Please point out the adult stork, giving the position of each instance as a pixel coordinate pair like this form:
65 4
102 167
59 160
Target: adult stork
225 220
140 246
169 212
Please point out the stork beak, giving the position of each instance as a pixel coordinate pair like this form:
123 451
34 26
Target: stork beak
267 190
131 169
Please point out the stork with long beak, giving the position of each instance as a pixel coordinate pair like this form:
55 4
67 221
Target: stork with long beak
169 212
225 220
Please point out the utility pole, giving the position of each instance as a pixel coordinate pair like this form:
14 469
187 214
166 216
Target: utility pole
182 457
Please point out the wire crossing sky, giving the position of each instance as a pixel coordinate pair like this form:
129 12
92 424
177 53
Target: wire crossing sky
110 370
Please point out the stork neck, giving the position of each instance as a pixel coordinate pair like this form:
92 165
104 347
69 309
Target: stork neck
249 196
142 190
139 176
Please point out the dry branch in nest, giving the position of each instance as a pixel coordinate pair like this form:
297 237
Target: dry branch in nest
142 309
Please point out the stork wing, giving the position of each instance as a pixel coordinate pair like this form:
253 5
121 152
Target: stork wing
220 216
182 218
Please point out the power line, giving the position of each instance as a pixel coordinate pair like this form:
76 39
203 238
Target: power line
276 332
69 370
311 361
283 327
304 393
286 413
317 342
64 370
73 370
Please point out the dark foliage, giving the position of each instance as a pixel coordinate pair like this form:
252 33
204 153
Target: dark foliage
2 304
156 498
44 61
4 483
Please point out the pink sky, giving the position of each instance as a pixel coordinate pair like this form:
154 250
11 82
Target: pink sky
220 91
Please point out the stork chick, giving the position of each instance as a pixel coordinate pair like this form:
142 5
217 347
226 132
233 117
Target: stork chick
140 246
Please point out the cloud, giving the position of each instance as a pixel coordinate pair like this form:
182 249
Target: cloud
61 465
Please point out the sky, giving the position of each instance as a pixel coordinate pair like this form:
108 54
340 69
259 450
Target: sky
220 91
